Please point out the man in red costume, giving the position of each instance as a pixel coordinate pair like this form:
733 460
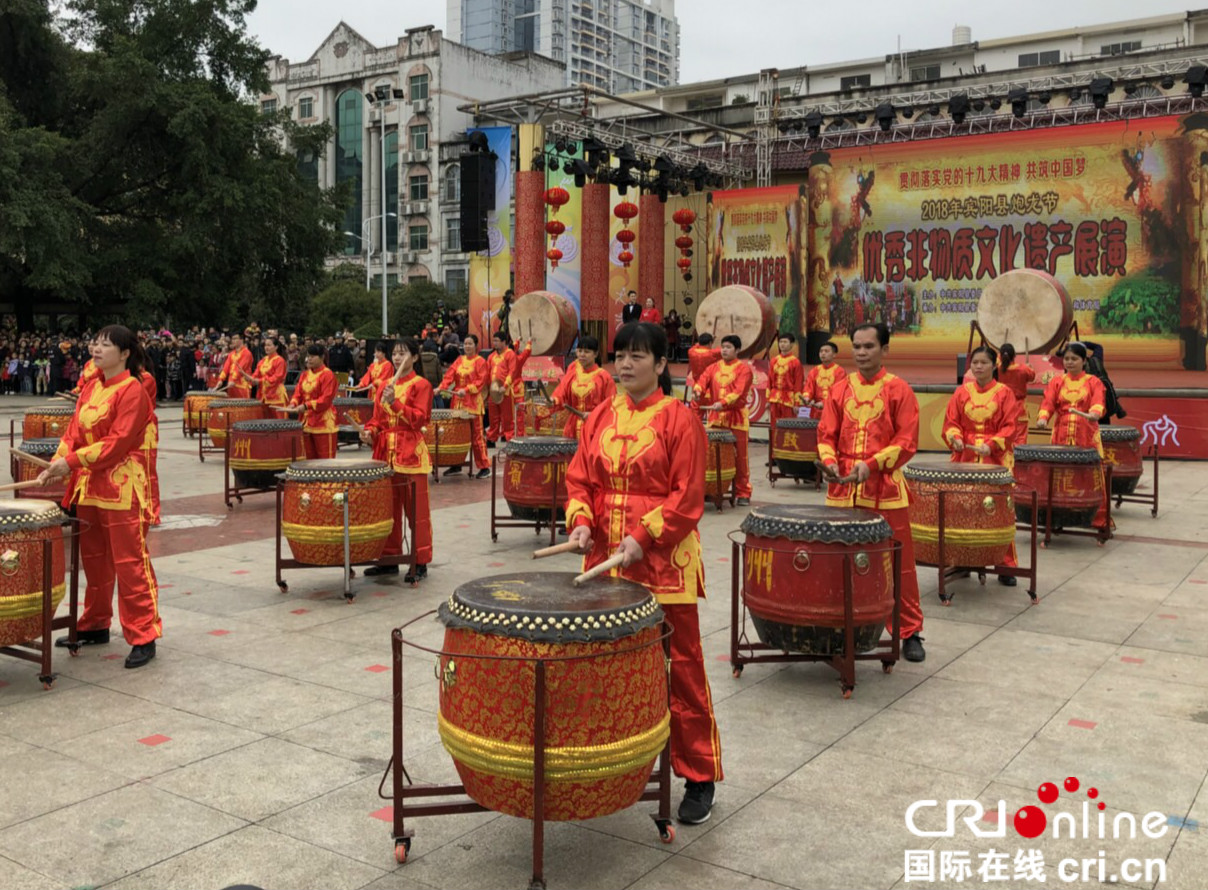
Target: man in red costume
313 396
522 358
822 377
724 387
785 380
584 386
240 357
87 376
465 381
869 430
701 355
501 365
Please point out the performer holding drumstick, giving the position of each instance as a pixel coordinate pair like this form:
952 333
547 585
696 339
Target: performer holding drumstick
269 374
822 377
465 381
1016 377
313 396
636 488
378 374
238 363
723 389
584 386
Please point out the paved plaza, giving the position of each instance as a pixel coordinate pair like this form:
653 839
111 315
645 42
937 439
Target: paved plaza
251 749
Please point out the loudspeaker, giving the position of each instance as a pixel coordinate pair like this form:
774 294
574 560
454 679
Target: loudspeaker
477 198
962 362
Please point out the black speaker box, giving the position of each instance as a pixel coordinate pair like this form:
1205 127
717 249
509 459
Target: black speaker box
477 199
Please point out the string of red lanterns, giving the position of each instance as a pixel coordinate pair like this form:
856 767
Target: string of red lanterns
555 197
684 218
625 211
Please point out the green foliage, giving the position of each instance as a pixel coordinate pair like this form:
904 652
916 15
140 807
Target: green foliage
412 305
345 305
1141 304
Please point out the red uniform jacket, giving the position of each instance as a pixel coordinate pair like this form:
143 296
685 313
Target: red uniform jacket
502 368
1016 378
729 383
399 426
375 377
471 375
640 471
786 380
875 421
583 391
982 417
270 374
1082 391
820 380
238 387
518 379
316 390
90 373
700 357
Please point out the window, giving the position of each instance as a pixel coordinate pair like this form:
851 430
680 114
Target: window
926 72
419 238
1114 49
308 165
1032 60
392 188
855 81
418 188
452 184
306 108
453 234
419 137
268 106
699 103
455 281
419 87
349 107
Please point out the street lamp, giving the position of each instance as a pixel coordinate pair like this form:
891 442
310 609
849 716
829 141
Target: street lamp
364 239
379 97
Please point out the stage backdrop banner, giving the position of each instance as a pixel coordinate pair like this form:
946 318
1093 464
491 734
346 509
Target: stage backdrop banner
491 269
621 279
912 233
565 279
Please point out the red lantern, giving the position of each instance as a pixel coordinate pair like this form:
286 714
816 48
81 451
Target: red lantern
683 242
556 197
554 255
626 210
684 263
684 218
626 257
554 228
626 236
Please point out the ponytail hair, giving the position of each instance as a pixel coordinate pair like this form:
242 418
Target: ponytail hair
1006 354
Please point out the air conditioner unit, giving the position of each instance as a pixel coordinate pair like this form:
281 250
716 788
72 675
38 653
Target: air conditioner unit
415 208
408 257
415 157
419 106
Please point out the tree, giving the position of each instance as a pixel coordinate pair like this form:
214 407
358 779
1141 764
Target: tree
412 305
1141 304
345 305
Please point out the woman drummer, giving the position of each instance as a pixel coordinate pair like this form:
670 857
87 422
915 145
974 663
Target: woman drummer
979 426
636 487
270 375
466 379
1016 377
584 386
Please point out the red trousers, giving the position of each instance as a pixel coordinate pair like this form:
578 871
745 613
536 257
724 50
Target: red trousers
410 498
319 446
478 445
503 419
695 743
238 390
780 412
153 479
113 546
742 464
912 610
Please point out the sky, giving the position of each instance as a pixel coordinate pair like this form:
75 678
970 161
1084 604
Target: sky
720 38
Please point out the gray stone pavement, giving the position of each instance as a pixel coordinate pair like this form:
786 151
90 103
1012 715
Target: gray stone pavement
251 749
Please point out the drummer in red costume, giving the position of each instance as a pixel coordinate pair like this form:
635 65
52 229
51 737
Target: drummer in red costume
724 387
313 395
89 373
1065 396
786 380
103 452
501 367
636 487
1016 377
823 377
270 375
401 411
584 386
238 362
151 447
868 431
979 425
466 379
522 358
378 374
702 354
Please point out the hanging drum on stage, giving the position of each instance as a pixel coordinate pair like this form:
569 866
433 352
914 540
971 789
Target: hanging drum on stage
1026 308
979 512
46 421
313 510
260 449
224 413
197 410
606 714
535 473
350 411
1122 451
1077 484
741 310
24 526
448 437
23 470
546 318
721 463
794 558
795 447
543 419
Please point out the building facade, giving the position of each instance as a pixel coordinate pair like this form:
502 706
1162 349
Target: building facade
424 138
620 46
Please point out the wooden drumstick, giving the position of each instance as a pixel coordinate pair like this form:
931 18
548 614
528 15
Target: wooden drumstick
66 395
29 458
1083 414
564 547
606 566
17 486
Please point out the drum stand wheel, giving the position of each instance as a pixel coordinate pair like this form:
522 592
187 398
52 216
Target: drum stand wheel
666 830
886 667
283 586
402 846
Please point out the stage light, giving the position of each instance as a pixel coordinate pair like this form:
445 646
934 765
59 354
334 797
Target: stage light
958 107
1167 82
933 110
1129 89
995 104
568 168
1018 98
885 116
1101 88
861 118
979 105
908 113
813 123
538 159
1045 98
478 142
560 145
581 171
1195 78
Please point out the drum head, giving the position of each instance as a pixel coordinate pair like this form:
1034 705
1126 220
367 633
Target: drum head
723 436
938 470
1119 433
238 403
547 606
814 522
1025 307
741 310
335 470
798 423
51 411
542 446
39 446
541 316
29 515
1056 454
266 426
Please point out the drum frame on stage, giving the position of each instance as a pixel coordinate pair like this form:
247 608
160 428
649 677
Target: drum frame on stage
744 652
720 497
203 436
407 557
774 469
1071 334
535 524
403 788
41 652
1135 498
229 489
1102 535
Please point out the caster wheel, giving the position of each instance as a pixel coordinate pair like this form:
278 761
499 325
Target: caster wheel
74 649
284 587
494 538
667 834
1035 601
737 671
773 483
230 506
47 682
400 852
887 667
239 498
352 573
846 692
350 598
946 600
1043 545
981 578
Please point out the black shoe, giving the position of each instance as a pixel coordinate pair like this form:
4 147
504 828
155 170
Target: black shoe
697 805
1008 580
744 502
490 443
912 648
86 638
380 570
483 473
453 471
140 655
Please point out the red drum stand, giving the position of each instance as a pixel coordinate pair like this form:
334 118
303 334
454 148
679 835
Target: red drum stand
538 522
1137 498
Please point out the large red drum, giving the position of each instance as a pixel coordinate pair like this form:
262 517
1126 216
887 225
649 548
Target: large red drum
795 446
448 437
260 449
721 463
543 419
741 310
535 473
1122 451
197 410
1077 484
24 470
24 527
223 414
1026 308
606 714
313 510
979 512
546 318
793 584
47 421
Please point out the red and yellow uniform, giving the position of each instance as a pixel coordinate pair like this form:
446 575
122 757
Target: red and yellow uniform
104 447
315 392
786 380
640 471
876 421
89 373
398 438
700 357
820 381
151 448
501 367
518 380
270 374
377 375
729 382
1086 393
583 391
1016 378
471 375
238 388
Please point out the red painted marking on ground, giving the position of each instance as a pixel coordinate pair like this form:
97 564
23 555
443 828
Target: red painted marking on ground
990 816
378 668
1197 581
1142 539
1083 724
166 586
723 559
1128 659
3 683
1169 617
152 740
298 611
464 525
721 657
111 657
494 565
378 593
218 633
386 814
188 593
239 572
